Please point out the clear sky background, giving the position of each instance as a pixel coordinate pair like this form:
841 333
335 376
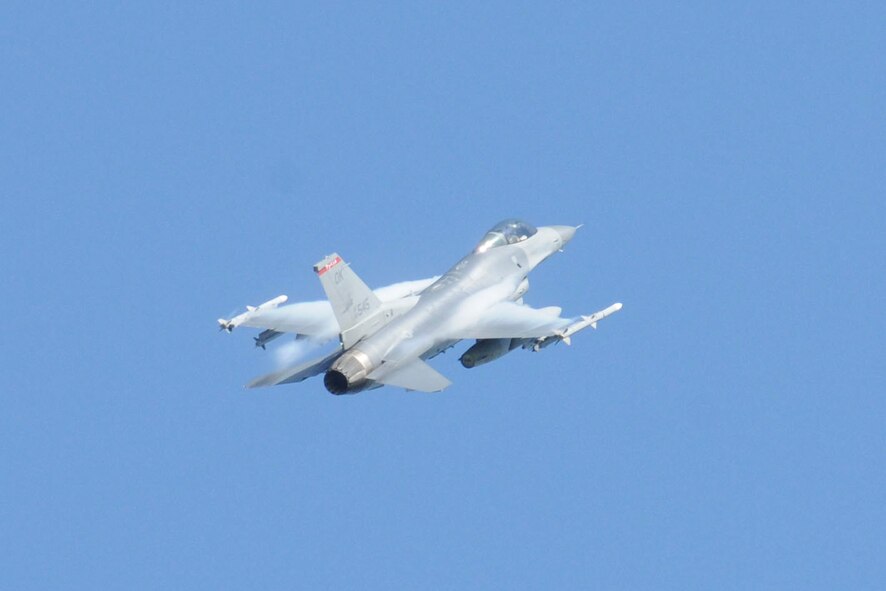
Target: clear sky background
163 164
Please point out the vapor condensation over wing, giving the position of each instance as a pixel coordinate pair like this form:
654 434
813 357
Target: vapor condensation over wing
395 291
310 318
316 320
511 316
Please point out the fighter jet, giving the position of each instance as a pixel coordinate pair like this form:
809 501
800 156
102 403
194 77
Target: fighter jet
385 336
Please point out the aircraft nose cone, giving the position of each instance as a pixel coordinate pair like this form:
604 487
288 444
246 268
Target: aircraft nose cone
566 232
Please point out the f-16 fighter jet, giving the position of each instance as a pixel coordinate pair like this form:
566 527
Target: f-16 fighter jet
387 335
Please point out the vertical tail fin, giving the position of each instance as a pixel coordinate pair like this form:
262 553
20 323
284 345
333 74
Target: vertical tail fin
353 303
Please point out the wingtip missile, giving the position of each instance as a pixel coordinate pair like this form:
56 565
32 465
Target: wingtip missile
591 320
230 325
280 299
565 335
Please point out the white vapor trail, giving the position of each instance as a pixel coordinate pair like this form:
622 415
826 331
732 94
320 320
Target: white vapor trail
291 352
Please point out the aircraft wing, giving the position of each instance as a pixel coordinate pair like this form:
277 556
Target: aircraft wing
313 319
508 320
403 369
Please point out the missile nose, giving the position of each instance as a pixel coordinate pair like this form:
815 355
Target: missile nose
566 232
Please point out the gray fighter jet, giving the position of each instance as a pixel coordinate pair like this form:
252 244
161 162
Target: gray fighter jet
387 335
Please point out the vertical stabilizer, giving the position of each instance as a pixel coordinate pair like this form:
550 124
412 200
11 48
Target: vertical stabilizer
356 308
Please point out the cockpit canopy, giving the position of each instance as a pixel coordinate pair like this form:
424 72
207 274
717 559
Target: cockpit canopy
506 232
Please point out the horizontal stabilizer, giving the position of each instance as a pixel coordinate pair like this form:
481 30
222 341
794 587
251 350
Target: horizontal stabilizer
296 374
413 375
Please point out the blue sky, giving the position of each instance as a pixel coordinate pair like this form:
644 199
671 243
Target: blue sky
165 164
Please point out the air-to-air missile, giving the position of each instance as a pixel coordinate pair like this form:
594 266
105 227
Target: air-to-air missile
236 321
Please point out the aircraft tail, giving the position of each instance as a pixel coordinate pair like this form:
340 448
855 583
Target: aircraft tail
357 309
